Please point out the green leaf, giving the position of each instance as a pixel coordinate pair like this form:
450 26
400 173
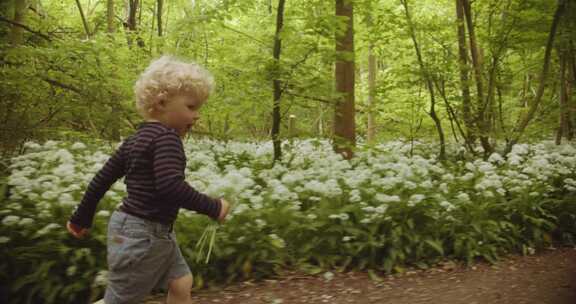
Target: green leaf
310 269
436 245
373 276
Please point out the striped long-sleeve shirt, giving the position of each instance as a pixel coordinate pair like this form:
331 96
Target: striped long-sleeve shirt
153 162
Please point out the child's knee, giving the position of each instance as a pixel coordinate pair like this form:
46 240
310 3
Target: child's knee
181 287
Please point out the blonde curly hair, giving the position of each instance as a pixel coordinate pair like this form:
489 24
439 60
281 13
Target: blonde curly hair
168 76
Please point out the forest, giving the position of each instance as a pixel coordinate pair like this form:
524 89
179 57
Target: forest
485 75
367 135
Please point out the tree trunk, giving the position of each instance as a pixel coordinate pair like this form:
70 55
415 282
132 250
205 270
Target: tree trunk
441 88
488 105
292 126
370 125
166 17
564 117
482 122
429 83
319 122
502 124
526 84
130 24
132 11
159 17
20 7
276 83
476 60
110 16
573 62
570 61
371 128
570 84
464 81
84 22
525 119
566 61
344 123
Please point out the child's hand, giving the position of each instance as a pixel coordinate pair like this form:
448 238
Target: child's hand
77 231
224 210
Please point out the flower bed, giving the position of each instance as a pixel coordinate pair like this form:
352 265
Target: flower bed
381 211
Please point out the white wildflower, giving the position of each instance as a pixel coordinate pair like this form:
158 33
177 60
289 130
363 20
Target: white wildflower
416 198
463 197
64 170
101 278
103 213
448 177
381 209
31 145
426 184
410 185
66 200
470 167
46 229
26 222
277 241
328 276
10 220
49 195
260 223
78 146
443 187
383 198
447 205
496 158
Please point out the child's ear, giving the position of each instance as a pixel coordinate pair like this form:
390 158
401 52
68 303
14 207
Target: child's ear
159 103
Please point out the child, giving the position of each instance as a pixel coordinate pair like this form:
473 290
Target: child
142 252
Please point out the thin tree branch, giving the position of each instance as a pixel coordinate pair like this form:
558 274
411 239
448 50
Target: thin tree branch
84 22
63 85
330 102
246 35
2 18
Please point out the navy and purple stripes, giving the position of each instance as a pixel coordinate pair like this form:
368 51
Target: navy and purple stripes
153 162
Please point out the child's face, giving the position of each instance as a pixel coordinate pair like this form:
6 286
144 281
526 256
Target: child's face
180 112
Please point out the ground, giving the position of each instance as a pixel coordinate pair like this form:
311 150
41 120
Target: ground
548 277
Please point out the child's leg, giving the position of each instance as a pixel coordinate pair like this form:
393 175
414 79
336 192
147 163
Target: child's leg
135 257
179 290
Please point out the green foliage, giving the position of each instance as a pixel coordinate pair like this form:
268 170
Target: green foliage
47 265
74 87
71 89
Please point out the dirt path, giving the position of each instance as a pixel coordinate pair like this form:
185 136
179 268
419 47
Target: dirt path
546 278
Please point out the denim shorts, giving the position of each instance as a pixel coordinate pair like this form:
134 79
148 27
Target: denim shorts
142 256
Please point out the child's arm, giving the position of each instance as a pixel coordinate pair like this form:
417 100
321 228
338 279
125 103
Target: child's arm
169 165
113 170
